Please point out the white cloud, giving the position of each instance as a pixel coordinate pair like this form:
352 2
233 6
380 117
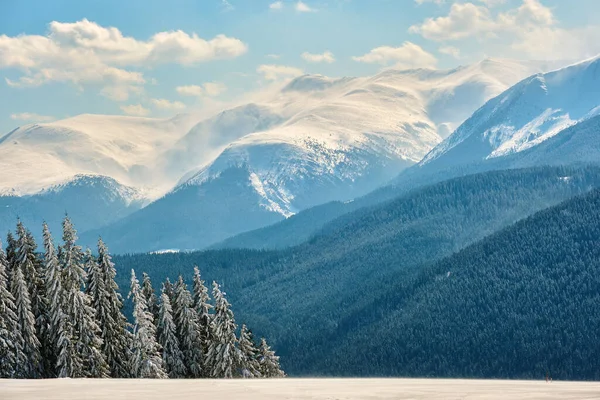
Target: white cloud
326 57
27 116
227 6
530 30
450 51
165 104
275 72
190 90
273 56
463 20
120 92
409 55
278 5
303 7
135 109
209 89
85 52
214 88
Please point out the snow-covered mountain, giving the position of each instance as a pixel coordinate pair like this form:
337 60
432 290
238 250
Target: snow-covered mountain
322 139
529 113
317 139
35 157
90 200
314 140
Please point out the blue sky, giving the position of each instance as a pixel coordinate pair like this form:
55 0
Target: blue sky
157 58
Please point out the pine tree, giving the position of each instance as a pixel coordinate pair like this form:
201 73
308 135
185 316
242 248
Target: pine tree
249 365
11 254
150 295
202 307
167 337
188 332
9 334
146 361
107 304
54 299
169 290
223 356
30 366
269 362
33 270
84 337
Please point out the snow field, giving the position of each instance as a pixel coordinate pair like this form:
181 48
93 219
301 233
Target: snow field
295 389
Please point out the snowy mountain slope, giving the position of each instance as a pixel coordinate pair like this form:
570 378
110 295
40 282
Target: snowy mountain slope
315 140
526 115
350 135
91 201
37 156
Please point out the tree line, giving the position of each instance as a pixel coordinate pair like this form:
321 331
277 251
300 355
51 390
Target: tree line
61 315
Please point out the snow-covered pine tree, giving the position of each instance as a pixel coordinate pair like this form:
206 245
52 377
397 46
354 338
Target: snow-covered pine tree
108 304
188 331
9 334
84 338
33 271
167 337
269 362
30 366
249 365
11 254
150 295
169 290
202 307
146 361
90 341
54 298
223 355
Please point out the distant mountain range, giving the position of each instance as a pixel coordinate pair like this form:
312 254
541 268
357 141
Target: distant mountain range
547 119
315 140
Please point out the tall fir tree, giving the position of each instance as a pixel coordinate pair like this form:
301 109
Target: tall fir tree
172 355
249 365
108 304
169 290
223 355
202 306
269 362
33 271
150 295
146 361
188 330
54 300
84 338
11 254
30 366
10 353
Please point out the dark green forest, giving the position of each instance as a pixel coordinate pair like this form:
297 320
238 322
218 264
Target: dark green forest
520 303
311 299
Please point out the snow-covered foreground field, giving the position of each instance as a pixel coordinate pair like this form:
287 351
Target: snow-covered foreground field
300 389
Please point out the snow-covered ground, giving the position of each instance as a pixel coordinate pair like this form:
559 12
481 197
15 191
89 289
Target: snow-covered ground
301 389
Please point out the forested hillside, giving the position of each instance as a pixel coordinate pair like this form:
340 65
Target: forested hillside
306 297
518 304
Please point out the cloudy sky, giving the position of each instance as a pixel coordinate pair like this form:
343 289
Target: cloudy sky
157 58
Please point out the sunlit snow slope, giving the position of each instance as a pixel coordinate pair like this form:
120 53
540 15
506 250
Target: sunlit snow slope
530 113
